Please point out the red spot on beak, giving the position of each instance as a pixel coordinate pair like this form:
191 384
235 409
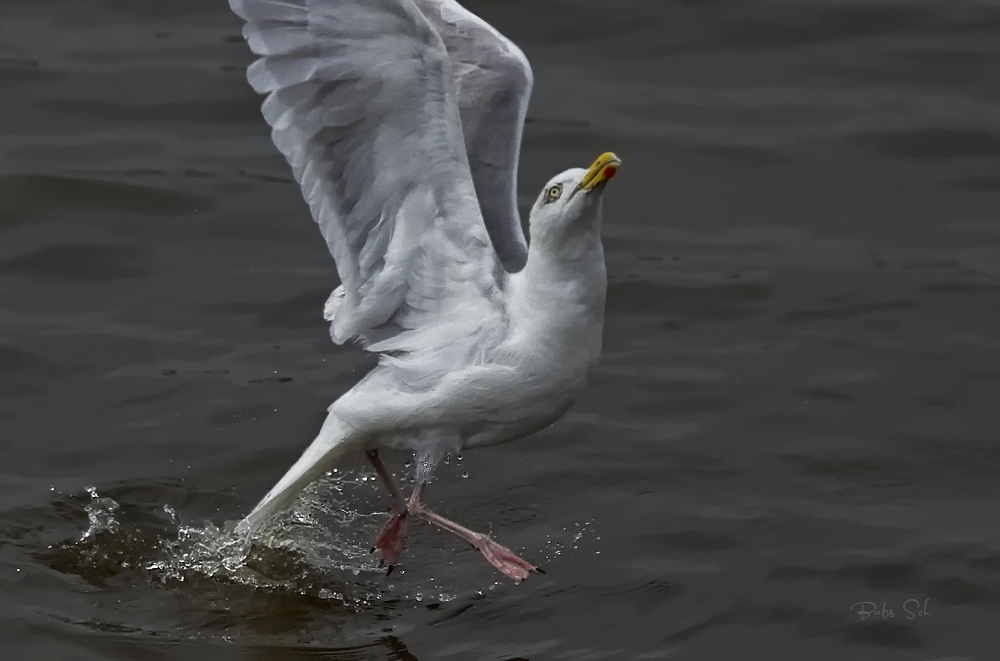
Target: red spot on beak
610 171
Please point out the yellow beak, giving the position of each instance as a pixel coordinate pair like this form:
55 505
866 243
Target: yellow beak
603 169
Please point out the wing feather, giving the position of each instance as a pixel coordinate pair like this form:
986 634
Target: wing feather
361 100
493 82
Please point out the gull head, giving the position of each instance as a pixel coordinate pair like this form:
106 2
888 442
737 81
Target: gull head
570 204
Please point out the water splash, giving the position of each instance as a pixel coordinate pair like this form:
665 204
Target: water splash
101 514
318 549
110 546
306 546
206 550
570 539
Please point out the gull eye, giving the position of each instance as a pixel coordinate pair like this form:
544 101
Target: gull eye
553 193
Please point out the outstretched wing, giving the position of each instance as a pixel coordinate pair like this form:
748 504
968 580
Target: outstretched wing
361 100
493 81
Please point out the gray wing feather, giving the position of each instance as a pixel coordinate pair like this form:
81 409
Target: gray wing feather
493 80
362 102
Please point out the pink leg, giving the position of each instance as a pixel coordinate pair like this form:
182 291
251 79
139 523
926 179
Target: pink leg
390 540
500 557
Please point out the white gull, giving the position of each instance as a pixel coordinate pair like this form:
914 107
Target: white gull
402 121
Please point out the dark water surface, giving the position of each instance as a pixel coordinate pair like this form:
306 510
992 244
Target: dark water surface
797 408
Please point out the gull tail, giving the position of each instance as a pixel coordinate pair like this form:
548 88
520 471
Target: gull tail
335 440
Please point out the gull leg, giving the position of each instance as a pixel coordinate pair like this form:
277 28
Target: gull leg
499 556
390 539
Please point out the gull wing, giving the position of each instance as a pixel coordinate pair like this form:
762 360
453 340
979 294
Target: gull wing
493 81
361 100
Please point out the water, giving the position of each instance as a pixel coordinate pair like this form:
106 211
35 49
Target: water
794 421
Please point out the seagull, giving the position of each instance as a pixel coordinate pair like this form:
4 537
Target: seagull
402 122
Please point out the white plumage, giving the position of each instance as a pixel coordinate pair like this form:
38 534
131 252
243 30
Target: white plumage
402 120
